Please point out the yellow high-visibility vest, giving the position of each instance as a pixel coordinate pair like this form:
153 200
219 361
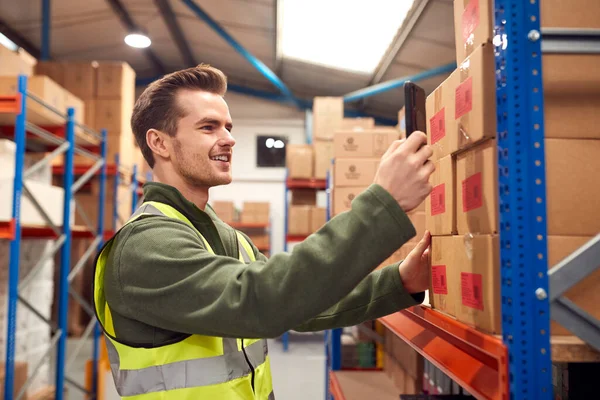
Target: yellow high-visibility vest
197 367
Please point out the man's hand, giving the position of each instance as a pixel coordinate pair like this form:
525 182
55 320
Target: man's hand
414 270
405 169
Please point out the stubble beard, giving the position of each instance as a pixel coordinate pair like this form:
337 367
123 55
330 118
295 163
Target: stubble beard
196 169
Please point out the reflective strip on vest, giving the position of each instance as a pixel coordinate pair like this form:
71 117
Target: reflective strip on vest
186 374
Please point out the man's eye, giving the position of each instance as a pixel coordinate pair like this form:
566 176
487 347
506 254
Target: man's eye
207 127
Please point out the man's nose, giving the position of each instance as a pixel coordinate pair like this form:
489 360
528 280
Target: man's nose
227 139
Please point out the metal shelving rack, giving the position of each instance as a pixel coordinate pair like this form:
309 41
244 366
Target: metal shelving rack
290 183
63 235
518 365
62 140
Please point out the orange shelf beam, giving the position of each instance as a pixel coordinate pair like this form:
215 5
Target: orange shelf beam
295 238
10 104
7 229
334 387
476 361
248 225
306 184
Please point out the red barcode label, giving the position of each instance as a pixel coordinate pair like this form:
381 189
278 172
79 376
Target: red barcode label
470 19
472 198
471 290
438 279
438 126
464 98
438 199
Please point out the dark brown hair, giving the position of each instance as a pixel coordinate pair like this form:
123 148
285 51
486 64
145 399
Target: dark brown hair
157 107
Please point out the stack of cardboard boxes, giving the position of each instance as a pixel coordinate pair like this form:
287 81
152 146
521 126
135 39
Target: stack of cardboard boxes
253 220
462 211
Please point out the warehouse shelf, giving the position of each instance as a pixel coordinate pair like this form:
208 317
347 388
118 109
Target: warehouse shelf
295 238
359 385
475 360
84 137
292 183
7 229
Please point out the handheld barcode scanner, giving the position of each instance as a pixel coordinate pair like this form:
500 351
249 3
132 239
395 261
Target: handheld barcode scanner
414 103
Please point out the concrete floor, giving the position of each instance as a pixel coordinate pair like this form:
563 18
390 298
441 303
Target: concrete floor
298 374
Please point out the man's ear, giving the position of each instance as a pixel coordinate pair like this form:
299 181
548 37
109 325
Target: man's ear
159 143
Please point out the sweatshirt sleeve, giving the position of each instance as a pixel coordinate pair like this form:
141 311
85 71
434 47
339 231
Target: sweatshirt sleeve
164 277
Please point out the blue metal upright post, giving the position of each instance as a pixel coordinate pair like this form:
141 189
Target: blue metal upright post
45 50
65 258
100 233
285 338
15 244
522 198
134 187
115 199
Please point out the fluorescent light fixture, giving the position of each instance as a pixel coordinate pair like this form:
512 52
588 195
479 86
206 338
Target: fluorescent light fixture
270 143
279 144
9 44
138 40
351 35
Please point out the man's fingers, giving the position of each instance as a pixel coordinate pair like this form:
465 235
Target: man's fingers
415 141
395 144
423 244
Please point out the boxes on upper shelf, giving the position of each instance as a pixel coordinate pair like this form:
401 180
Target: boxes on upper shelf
77 104
443 283
473 26
355 171
572 167
13 63
342 197
42 87
440 210
367 143
476 269
477 190
80 78
441 135
570 14
116 80
323 154
357 123
299 158
571 100
328 114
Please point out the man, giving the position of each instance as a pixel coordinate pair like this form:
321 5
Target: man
186 302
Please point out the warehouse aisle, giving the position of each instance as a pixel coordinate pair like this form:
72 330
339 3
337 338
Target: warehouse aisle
298 374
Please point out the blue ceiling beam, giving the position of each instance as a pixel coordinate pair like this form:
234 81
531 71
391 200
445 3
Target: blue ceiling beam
45 56
396 83
256 63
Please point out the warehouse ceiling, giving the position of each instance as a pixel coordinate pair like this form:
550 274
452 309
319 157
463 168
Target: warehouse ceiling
95 29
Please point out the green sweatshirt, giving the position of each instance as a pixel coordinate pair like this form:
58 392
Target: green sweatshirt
162 284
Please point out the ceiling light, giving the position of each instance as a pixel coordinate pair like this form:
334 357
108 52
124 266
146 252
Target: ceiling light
279 144
270 143
138 40
6 42
351 35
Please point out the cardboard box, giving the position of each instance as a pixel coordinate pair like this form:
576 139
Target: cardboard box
255 212
323 157
52 69
73 101
357 123
368 143
572 168
441 131
402 122
476 267
407 358
80 78
299 159
570 14
571 101
225 210
355 171
299 220
477 190
20 377
114 116
343 196
261 241
440 210
585 294
444 286
90 113
473 26
328 114
304 197
116 80
42 87
318 218
475 97
418 220
13 63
